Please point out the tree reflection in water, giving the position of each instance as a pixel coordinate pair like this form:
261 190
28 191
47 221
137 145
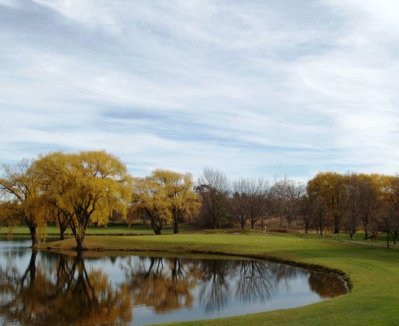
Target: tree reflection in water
59 290
164 284
65 295
214 287
326 285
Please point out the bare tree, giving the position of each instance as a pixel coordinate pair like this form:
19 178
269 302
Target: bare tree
305 218
213 187
390 220
239 202
319 214
249 200
350 216
286 198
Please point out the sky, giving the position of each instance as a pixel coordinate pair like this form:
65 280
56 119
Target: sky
253 88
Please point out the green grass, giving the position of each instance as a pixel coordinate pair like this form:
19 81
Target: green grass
91 230
373 271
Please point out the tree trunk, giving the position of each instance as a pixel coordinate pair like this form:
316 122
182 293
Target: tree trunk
395 235
79 244
33 234
62 226
157 227
175 227
336 225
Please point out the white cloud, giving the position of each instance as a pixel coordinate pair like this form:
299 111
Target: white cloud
252 88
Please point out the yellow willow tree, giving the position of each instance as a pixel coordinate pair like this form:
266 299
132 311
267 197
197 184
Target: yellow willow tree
21 199
179 189
54 182
149 196
165 196
331 187
88 186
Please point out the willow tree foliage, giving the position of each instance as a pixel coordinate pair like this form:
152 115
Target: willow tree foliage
53 183
84 188
166 197
21 199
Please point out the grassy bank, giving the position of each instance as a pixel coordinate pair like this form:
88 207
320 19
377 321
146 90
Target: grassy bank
374 273
136 229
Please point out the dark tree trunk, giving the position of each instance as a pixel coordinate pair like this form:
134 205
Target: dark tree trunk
156 226
395 236
336 224
62 226
79 244
33 234
31 270
175 227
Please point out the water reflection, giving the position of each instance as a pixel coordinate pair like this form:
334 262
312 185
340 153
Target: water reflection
62 290
164 284
326 285
64 293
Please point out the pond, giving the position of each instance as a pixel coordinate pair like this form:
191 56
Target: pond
43 288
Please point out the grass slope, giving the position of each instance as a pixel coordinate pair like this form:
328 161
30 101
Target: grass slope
374 273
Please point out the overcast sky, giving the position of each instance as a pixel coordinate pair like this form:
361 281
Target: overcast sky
254 88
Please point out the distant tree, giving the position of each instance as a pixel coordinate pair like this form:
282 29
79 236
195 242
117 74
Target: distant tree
350 219
389 219
286 197
319 214
239 203
305 213
213 188
368 192
249 200
330 186
165 196
149 196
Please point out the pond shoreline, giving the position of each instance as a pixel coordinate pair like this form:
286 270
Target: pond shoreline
98 251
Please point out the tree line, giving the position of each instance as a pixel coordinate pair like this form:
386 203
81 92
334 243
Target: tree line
338 202
78 189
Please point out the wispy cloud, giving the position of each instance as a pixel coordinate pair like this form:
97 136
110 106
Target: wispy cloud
250 87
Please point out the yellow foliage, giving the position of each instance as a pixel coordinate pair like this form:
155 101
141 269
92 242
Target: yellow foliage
165 196
88 186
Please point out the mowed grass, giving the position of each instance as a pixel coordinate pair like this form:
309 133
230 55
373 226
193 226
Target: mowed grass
53 230
373 271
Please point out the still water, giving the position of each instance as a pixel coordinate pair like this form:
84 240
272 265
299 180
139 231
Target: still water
38 288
